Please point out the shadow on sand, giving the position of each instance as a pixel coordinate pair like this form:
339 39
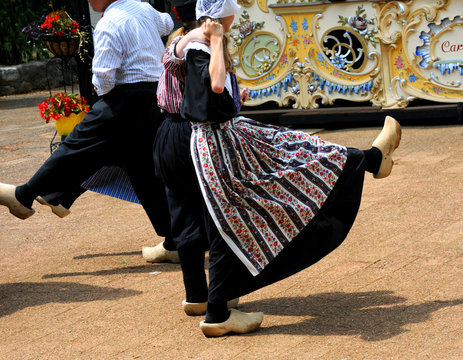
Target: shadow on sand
374 315
91 256
18 296
140 269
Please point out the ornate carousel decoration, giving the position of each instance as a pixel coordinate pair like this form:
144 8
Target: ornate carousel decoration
432 49
308 53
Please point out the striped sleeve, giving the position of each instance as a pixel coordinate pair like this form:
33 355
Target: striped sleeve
163 21
106 60
173 64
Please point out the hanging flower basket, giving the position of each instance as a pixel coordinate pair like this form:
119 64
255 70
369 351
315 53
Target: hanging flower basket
62 46
61 35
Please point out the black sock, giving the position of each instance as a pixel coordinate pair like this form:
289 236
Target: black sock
24 195
194 276
169 244
53 198
217 313
373 158
72 196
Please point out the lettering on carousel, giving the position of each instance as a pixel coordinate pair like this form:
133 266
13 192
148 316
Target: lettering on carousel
448 47
442 44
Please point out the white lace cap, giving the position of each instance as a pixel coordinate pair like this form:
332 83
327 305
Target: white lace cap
216 9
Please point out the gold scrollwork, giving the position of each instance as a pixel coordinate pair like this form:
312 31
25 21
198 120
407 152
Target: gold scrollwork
300 71
393 11
435 79
352 60
400 12
259 54
262 5
246 3
371 56
425 12
398 84
377 92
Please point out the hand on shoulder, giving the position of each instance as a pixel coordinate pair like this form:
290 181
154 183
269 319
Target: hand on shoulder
212 28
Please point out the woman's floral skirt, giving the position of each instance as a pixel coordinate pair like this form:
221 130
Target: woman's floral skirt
262 184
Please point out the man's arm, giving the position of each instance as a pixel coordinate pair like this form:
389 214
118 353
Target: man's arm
106 60
163 21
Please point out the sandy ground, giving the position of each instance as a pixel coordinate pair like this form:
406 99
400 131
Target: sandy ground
78 288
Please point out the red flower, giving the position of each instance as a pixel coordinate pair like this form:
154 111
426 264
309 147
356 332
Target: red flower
59 23
62 104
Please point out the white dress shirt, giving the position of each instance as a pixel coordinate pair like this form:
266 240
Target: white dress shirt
128 45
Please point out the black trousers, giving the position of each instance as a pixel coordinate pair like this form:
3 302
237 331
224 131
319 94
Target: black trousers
118 130
229 278
174 166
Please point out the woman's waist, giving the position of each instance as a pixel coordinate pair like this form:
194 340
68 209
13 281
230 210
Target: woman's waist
175 117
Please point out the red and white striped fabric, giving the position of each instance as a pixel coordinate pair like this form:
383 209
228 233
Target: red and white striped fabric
171 82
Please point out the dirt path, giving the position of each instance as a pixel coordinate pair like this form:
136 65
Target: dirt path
78 288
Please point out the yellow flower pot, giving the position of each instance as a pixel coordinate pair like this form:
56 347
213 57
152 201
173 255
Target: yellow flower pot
65 124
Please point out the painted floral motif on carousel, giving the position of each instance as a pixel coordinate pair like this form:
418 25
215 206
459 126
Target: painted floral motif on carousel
245 28
442 48
406 71
297 39
280 68
294 25
338 63
258 50
443 92
360 24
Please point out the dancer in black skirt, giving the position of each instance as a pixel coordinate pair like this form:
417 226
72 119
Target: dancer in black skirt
279 200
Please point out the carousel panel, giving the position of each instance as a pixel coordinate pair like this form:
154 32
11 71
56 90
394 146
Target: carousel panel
388 53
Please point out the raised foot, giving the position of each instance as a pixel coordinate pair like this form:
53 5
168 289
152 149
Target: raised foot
387 141
58 210
8 199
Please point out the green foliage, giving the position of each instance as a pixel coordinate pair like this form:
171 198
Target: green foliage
14 16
